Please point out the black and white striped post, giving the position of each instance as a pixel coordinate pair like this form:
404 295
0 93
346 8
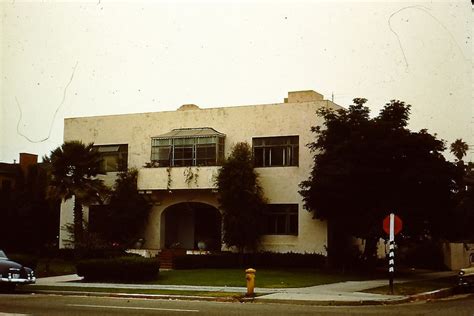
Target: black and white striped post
391 252
392 225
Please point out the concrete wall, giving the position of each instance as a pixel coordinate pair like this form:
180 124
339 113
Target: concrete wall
458 255
241 123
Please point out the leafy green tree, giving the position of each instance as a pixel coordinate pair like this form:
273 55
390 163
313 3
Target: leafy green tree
241 199
365 168
74 166
127 211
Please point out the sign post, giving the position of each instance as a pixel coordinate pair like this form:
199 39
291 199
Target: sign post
392 225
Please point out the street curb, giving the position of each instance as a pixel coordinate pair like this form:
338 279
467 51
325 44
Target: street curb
426 296
441 293
222 299
334 302
434 294
142 296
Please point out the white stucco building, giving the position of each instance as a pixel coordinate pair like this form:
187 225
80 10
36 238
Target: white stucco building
178 154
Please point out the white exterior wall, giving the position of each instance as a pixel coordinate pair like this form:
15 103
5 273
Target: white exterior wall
458 255
280 184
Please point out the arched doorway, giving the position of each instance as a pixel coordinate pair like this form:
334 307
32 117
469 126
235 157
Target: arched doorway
186 224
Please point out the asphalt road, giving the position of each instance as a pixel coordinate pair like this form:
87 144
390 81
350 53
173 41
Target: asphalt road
51 305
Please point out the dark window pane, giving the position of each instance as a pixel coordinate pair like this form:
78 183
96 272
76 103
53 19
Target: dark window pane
293 229
258 156
295 156
183 156
275 151
277 154
266 157
281 224
113 157
281 219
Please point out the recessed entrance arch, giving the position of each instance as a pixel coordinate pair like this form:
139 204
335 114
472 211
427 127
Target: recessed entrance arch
188 223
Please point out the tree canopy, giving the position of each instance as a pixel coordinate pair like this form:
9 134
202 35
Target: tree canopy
365 168
241 199
462 220
26 203
74 166
126 212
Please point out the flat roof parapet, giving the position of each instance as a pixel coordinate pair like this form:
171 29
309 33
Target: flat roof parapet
303 96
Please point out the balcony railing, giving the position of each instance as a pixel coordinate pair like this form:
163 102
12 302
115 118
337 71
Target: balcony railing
176 178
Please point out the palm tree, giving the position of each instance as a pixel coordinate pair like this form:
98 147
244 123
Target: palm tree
74 166
459 149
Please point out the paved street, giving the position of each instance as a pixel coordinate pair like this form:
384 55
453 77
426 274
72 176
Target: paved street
52 305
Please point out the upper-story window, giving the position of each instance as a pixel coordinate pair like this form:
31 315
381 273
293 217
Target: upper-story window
114 158
188 147
275 151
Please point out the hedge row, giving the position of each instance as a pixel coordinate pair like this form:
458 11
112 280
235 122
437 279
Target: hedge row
257 260
119 269
29 261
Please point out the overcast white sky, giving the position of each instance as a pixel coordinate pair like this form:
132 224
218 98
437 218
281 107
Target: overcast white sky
77 58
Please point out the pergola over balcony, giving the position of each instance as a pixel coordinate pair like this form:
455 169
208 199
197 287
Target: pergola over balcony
184 158
183 147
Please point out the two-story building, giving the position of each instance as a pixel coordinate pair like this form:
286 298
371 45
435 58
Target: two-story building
178 154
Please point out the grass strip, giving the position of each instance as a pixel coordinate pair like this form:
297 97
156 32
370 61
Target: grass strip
415 287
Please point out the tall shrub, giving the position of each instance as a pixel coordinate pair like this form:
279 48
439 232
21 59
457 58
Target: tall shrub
241 199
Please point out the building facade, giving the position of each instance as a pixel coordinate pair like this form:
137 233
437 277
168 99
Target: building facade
10 174
179 153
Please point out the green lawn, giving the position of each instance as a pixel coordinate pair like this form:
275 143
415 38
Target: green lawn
268 278
416 287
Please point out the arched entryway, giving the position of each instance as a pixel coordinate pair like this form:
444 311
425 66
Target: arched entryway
186 224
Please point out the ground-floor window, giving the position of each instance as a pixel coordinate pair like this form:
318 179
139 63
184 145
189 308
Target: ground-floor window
281 219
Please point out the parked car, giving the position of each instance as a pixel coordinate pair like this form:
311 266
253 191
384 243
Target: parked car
466 278
13 273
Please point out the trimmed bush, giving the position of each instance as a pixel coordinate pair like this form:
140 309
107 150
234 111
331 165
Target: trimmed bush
24 259
130 268
423 255
257 260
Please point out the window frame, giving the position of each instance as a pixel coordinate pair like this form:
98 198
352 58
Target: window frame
194 143
120 151
285 211
289 146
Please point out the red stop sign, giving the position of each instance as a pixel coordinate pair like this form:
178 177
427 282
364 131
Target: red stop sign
397 224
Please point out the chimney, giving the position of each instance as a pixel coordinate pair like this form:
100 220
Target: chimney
27 160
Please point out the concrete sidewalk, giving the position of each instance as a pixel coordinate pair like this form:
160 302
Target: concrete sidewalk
349 293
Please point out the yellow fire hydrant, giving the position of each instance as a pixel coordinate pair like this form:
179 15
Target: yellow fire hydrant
250 277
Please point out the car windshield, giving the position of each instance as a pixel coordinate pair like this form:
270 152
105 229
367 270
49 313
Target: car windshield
3 256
